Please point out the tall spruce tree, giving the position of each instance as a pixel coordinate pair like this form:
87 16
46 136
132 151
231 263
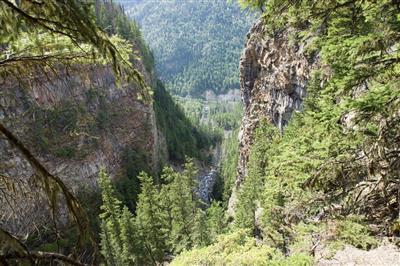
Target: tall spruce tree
251 189
111 240
200 233
131 248
166 203
149 222
184 203
216 221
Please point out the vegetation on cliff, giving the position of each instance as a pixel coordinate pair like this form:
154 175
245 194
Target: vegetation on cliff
38 35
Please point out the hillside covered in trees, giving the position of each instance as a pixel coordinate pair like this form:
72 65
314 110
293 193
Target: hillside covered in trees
196 44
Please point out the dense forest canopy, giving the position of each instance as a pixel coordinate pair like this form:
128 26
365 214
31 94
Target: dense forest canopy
197 44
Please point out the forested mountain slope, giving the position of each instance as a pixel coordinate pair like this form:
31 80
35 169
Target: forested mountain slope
196 44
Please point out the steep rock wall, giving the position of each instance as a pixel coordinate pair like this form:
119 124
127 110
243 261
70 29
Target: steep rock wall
273 79
75 121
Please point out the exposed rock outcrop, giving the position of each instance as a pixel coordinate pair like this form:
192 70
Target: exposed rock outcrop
75 122
273 78
206 184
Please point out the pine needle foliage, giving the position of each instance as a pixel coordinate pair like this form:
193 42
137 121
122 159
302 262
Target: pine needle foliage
149 221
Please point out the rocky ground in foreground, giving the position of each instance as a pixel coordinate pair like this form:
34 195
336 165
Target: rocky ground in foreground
385 255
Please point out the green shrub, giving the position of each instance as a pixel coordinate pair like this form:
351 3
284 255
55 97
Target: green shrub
237 248
354 232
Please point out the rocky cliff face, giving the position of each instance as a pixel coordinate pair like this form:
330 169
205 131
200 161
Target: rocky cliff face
75 121
273 78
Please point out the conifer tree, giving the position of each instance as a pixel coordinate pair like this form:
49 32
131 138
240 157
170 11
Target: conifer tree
250 191
200 233
130 247
215 220
166 200
190 178
107 249
184 204
182 214
247 203
149 222
111 240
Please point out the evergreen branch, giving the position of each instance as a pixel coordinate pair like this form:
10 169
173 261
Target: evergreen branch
95 36
38 21
17 59
72 203
328 11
